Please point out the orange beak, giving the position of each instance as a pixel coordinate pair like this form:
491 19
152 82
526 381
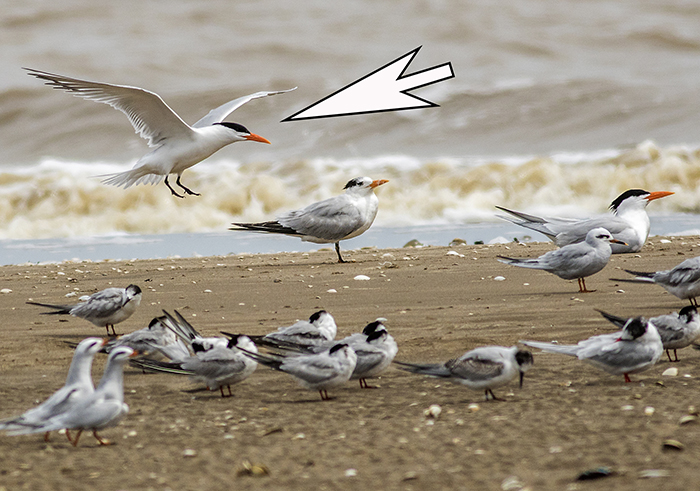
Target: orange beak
658 194
378 182
616 241
257 138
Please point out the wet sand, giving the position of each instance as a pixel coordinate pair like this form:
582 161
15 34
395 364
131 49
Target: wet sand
568 418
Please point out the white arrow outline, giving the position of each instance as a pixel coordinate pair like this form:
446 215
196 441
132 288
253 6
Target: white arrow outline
410 55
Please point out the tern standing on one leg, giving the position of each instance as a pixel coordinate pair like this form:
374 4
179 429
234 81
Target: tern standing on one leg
328 221
104 308
178 146
574 261
479 369
628 222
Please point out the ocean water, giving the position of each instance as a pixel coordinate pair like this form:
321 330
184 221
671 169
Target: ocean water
556 108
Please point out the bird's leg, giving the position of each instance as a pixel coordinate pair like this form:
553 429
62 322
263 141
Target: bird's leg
103 441
627 378
324 395
171 189
668 353
493 396
675 354
582 286
365 385
185 188
48 433
74 441
114 333
337 250
230 394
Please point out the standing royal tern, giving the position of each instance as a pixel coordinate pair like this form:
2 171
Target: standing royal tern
78 386
101 409
677 330
683 281
104 308
574 260
634 349
216 364
316 371
178 146
482 368
331 220
629 222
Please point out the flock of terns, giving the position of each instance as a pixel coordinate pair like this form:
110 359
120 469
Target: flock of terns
308 350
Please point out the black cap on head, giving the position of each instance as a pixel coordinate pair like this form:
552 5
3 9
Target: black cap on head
376 334
358 181
235 127
317 315
627 194
688 311
233 341
371 327
636 327
337 347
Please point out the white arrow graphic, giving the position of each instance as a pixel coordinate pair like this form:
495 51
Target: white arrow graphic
385 89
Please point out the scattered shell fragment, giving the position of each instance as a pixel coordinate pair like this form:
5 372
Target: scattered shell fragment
5 290
332 290
189 452
672 445
361 277
350 472
454 253
433 411
649 473
473 407
410 476
648 411
687 418
670 372
595 474
499 278
511 483
413 243
627 408
250 469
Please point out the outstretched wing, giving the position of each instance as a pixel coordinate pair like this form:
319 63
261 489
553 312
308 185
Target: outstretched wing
219 114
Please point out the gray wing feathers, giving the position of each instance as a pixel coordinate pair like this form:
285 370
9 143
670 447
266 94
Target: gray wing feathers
219 114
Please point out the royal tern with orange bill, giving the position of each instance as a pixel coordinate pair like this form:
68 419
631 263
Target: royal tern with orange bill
482 368
677 330
329 221
104 308
628 223
634 349
178 146
573 261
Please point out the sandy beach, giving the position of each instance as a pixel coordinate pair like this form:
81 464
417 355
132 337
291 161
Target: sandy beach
438 301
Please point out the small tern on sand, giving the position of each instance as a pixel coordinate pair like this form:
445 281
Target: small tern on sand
216 364
317 371
634 349
629 222
104 308
374 346
101 409
178 146
683 281
677 330
574 260
482 368
331 220
78 386
319 330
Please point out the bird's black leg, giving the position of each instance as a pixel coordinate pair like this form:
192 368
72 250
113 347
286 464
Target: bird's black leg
185 188
337 250
171 189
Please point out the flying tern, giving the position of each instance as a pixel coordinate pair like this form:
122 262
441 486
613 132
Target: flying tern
216 364
103 408
574 260
104 308
78 386
683 281
634 349
482 368
331 220
677 330
178 146
629 222
316 371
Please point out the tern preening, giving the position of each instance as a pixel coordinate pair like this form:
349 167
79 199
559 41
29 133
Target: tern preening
331 220
629 222
634 349
683 281
573 261
178 146
677 330
319 330
104 308
482 368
